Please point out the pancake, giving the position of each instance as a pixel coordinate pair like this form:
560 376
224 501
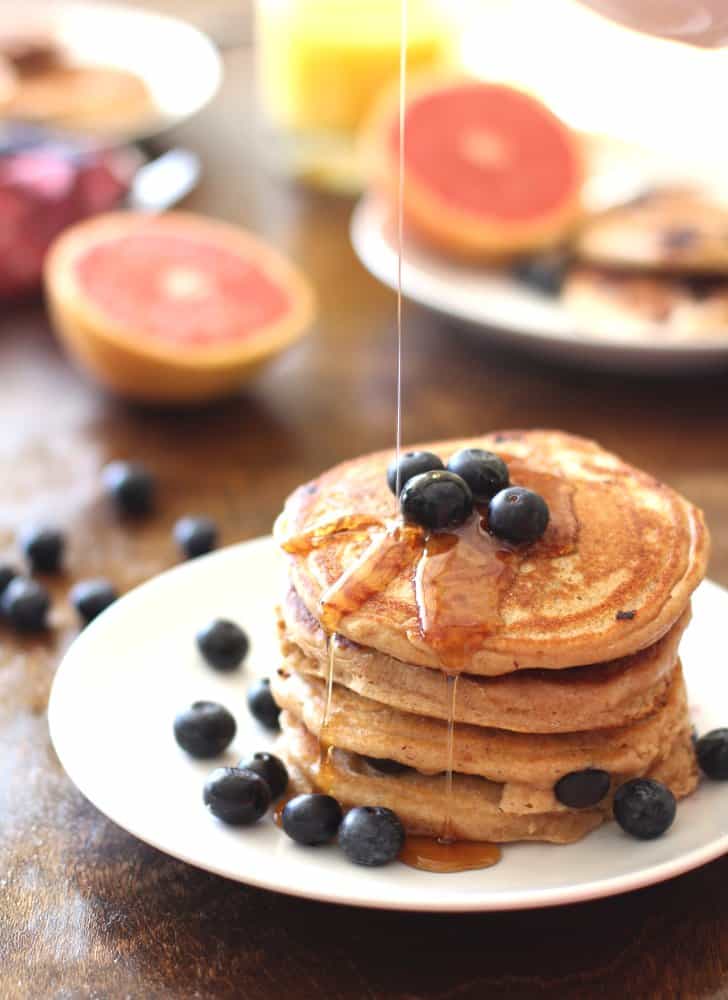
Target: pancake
366 727
89 97
529 701
678 231
617 304
476 806
612 574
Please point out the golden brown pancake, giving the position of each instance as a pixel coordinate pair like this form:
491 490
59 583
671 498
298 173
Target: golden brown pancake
612 574
369 728
528 701
677 231
618 304
477 811
89 97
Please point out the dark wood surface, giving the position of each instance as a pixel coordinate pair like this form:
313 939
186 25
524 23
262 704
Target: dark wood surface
88 911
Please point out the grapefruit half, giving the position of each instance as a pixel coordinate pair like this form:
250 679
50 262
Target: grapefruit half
489 170
172 308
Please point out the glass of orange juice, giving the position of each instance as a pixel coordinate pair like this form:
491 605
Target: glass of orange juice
322 63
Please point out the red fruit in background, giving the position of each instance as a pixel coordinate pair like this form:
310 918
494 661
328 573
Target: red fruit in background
172 308
489 170
44 189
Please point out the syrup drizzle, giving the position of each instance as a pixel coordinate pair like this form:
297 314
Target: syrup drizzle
400 235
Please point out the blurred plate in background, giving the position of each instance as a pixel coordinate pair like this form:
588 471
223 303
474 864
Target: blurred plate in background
502 308
177 64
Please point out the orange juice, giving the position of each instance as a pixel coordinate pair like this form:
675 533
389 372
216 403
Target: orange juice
321 63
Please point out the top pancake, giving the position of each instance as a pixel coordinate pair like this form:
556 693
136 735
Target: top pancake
614 571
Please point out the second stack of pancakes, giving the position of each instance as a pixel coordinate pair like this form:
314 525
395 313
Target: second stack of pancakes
565 651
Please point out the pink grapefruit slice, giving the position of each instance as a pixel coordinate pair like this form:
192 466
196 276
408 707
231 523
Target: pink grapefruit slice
489 170
172 308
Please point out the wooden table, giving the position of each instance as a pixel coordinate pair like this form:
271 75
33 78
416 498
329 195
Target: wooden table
88 911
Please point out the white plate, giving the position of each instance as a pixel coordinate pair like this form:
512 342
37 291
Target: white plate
130 671
178 63
500 308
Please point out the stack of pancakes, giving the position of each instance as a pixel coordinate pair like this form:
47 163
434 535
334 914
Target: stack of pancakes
569 664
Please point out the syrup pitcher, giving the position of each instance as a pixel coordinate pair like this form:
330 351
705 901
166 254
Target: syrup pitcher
696 22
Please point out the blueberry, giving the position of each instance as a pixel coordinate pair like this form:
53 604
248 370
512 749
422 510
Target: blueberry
43 547
223 644
91 597
312 819
485 473
412 463
644 808
436 500
262 705
236 796
712 751
545 273
518 515
204 729
196 536
131 486
386 766
25 603
582 789
371 835
271 769
7 573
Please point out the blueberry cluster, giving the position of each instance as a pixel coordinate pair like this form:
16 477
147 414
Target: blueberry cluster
440 499
643 807
25 603
242 794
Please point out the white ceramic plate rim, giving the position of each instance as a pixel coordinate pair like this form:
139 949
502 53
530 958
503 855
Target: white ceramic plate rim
488 299
426 898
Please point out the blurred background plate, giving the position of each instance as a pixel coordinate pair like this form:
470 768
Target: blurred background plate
178 64
501 308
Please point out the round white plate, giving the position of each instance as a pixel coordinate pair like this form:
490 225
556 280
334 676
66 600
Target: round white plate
130 671
500 308
178 63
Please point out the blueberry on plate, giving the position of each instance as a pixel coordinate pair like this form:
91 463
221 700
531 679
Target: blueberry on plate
436 500
485 473
582 789
312 819
223 644
545 273
42 546
131 486
644 808
712 752
7 573
518 515
412 463
371 835
271 769
262 704
204 729
25 604
91 597
195 536
236 796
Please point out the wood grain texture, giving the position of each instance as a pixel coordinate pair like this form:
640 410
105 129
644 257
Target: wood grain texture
86 910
